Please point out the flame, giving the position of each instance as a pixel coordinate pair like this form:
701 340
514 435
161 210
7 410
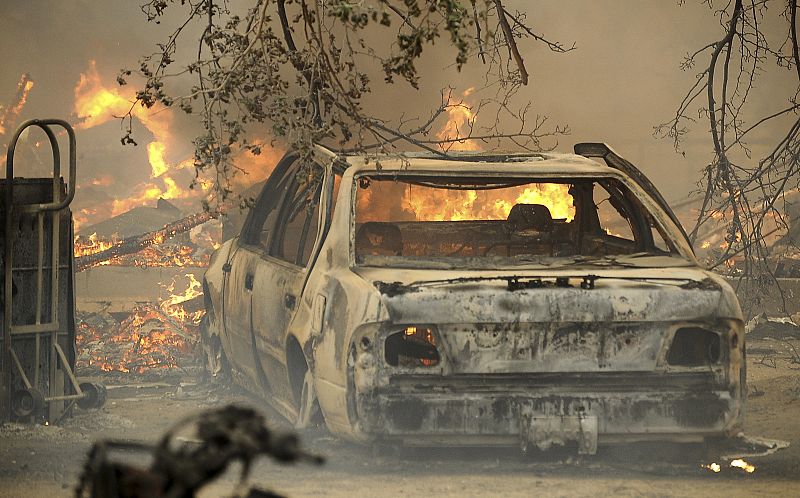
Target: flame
457 205
735 464
92 245
741 464
153 336
459 124
173 305
155 153
157 256
97 103
146 193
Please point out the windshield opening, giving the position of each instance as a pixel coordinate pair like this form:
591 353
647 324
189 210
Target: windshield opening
489 221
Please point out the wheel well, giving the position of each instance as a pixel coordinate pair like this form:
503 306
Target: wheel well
297 366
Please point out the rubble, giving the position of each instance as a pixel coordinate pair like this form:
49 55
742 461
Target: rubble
147 339
154 336
781 328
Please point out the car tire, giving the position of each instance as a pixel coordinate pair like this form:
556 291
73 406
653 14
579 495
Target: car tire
301 379
308 413
215 363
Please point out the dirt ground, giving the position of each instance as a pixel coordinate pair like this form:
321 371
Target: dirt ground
40 461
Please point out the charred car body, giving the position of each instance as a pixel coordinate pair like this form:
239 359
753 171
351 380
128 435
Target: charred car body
488 299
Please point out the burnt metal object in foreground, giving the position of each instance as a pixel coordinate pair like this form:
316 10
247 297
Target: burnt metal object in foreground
38 311
181 466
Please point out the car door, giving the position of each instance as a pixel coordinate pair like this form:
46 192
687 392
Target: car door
242 266
279 280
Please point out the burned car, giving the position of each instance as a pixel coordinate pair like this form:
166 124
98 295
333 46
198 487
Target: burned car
479 299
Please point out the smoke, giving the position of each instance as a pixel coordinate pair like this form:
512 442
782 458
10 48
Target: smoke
621 81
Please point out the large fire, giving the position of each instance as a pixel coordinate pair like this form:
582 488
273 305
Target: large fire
97 103
457 205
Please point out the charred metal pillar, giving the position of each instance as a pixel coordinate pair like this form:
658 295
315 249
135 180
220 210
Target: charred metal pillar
37 310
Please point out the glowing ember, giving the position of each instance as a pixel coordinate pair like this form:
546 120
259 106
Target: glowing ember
741 464
158 336
735 464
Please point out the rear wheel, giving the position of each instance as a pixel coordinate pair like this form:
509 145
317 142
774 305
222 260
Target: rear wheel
215 363
302 381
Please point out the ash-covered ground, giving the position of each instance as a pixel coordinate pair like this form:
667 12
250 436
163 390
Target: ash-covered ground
46 460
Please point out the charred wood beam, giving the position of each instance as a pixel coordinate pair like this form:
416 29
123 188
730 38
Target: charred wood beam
134 244
10 113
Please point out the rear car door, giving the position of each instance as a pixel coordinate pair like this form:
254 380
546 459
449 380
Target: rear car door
242 266
280 277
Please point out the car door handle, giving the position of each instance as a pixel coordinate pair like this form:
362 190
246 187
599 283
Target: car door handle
248 281
289 301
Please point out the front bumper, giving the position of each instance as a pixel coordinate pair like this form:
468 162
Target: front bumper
545 409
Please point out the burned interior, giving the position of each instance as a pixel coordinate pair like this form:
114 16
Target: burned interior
503 220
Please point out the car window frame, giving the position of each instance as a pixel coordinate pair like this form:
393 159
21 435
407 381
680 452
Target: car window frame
637 193
268 200
269 253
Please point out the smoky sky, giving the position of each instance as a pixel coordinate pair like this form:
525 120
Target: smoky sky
622 79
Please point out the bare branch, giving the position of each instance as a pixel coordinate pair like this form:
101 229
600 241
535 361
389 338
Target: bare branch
512 44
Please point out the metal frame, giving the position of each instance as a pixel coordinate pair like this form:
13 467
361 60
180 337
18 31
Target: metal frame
51 326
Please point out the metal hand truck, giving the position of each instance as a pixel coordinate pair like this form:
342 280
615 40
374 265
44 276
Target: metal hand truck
37 299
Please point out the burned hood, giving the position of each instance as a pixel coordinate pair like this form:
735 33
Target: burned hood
552 295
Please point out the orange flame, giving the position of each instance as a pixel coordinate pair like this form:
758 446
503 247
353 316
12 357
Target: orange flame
459 125
173 305
92 245
97 103
152 337
457 205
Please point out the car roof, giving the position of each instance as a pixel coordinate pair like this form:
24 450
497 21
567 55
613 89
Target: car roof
544 163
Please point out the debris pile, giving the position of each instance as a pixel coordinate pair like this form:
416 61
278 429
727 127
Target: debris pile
153 337
778 327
